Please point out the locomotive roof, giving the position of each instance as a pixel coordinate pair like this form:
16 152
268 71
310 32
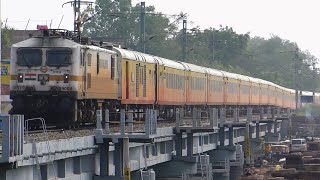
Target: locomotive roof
96 48
53 42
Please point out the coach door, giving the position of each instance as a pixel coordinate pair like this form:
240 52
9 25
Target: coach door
128 78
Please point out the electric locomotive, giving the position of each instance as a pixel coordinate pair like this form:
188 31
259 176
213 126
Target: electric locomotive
52 76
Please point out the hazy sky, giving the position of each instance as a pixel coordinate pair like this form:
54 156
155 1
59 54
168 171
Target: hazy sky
295 20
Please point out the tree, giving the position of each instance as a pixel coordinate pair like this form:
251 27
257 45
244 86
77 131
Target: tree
119 22
113 21
6 42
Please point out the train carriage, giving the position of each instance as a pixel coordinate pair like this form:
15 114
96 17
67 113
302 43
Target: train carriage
99 80
272 93
265 95
172 83
137 77
232 91
215 87
255 91
197 84
244 86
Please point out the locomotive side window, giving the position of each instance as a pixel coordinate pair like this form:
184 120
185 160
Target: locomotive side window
98 63
59 57
81 58
29 57
89 59
113 67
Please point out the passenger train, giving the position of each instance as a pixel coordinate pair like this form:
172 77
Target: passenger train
65 81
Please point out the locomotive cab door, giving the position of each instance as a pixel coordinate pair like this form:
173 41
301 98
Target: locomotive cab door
83 71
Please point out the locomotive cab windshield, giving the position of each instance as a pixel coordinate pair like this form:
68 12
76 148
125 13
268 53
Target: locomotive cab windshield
58 57
29 57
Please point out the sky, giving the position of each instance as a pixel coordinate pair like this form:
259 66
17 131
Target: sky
294 20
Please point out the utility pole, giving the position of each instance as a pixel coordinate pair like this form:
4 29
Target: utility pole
314 80
212 44
184 40
296 58
76 10
0 50
142 27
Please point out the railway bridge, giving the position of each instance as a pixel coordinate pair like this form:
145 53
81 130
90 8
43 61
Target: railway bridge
212 144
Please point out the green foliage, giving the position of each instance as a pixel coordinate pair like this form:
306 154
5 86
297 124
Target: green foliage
222 48
5 42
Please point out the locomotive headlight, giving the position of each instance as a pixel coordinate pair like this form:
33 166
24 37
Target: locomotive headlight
43 77
66 78
20 78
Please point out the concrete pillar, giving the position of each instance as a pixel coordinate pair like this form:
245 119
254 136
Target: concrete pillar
126 158
3 174
61 170
122 121
261 113
231 136
257 130
107 120
269 112
275 126
273 113
117 158
221 136
213 117
250 128
269 127
195 120
236 172
190 144
223 154
77 165
104 159
178 144
236 115
44 171
222 116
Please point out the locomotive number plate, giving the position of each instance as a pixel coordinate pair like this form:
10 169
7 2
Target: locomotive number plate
66 88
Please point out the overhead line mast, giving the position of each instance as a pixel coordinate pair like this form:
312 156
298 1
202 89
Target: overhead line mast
78 16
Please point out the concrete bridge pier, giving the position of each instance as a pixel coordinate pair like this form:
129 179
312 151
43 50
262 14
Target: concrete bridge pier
236 167
180 164
220 160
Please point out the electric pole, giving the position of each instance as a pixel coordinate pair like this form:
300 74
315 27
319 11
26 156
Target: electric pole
0 50
142 27
314 80
76 10
184 40
212 44
296 58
